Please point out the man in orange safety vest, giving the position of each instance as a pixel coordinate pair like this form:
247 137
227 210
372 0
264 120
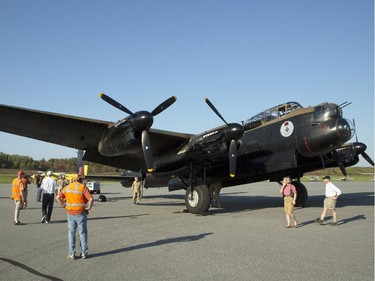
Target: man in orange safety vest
18 195
77 200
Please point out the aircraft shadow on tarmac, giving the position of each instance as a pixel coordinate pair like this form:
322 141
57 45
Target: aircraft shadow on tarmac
235 202
346 199
190 238
356 199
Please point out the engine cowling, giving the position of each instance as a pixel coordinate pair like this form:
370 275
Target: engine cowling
120 138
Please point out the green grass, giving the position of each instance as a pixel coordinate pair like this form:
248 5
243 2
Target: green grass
7 176
4 178
358 178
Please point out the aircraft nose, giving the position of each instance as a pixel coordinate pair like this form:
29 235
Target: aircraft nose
345 129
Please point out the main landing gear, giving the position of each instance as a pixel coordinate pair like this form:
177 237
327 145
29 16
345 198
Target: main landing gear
197 199
197 196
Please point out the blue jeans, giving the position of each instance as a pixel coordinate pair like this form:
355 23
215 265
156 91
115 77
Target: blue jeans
80 221
38 194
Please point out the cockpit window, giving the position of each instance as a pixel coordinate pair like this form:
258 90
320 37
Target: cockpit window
274 112
325 111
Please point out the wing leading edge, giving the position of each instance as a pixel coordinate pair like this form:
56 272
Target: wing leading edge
66 130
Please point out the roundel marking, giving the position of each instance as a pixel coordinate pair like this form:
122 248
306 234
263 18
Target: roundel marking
287 129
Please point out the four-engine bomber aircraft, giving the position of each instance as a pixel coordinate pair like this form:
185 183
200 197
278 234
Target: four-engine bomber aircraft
287 139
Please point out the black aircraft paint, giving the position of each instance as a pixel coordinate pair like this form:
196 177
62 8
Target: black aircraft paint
287 139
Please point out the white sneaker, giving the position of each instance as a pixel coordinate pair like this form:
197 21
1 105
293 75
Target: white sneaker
71 257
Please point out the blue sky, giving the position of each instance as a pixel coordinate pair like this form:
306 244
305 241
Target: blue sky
245 56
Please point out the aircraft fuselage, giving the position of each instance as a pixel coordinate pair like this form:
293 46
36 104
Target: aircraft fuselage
271 147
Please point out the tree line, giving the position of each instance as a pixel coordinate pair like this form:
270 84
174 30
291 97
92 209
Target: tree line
67 165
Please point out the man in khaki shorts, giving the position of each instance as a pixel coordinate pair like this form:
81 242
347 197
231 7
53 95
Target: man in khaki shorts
332 193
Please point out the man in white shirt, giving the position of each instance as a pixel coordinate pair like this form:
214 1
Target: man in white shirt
49 189
332 193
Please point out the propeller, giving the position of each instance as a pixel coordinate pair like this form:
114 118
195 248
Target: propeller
348 152
361 147
142 121
233 132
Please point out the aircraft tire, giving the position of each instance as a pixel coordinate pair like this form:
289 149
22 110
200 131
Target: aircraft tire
302 195
201 199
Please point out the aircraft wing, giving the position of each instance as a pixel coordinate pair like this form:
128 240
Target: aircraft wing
81 133
66 130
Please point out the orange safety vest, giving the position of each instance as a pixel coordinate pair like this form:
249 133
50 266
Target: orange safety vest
75 201
16 189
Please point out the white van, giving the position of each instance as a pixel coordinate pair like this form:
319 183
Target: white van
93 186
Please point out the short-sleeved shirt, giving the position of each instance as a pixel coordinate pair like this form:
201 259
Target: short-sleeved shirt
287 189
49 185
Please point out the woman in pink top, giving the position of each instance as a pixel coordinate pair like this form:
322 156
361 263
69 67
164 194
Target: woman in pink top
290 196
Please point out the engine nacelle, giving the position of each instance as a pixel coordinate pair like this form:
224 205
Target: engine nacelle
120 138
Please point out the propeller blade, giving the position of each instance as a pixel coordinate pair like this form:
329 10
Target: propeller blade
322 159
214 109
339 163
355 131
342 168
232 158
365 155
147 152
164 105
115 103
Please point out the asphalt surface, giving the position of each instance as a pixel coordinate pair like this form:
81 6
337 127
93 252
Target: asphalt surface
244 240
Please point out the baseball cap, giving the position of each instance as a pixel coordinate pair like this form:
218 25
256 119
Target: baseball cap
326 178
49 173
75 177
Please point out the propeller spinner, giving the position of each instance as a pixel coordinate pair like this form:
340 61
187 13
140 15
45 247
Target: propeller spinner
233 132
142 121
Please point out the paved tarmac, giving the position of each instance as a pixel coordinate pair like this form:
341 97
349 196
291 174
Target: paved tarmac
245 240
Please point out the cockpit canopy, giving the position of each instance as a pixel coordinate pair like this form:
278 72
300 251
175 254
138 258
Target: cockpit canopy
274 112
325 111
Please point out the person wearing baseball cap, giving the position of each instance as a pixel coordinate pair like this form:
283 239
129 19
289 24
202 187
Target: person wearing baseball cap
49 189
18 195
77 200
332 192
